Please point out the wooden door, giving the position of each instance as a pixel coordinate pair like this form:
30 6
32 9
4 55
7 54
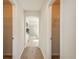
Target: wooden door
7 26
56 29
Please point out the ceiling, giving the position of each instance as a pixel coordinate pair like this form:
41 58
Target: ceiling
32 4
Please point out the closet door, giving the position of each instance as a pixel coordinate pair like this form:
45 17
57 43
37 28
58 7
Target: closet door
7 26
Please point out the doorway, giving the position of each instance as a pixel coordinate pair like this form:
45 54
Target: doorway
7 25
56 30
31 29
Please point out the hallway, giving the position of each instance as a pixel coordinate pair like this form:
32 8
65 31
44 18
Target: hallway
31 29
39 29
32 53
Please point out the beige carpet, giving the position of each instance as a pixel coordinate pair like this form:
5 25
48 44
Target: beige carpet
32 53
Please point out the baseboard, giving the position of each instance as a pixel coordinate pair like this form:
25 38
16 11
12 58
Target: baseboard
55 57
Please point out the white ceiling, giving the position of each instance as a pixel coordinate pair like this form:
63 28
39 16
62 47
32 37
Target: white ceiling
32 4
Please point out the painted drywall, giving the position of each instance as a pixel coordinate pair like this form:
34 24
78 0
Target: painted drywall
32 5
45 30
18 30
68 29
32 13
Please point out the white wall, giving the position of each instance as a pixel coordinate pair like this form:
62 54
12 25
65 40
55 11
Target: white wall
18 30
67 29
45 31
32 13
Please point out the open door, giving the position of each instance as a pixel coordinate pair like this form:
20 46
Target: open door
7 25
56 30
